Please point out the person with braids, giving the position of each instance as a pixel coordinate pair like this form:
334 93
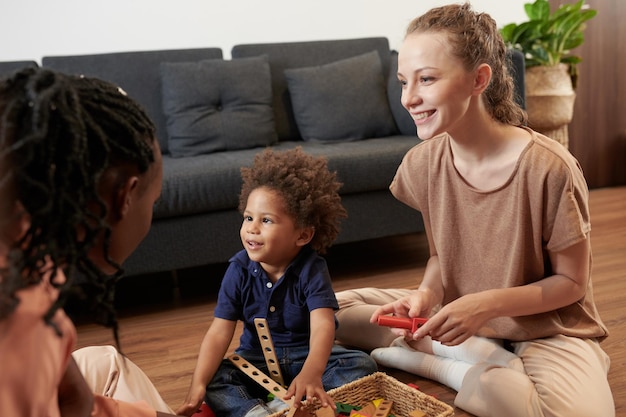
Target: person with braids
512 325
80 170
291 212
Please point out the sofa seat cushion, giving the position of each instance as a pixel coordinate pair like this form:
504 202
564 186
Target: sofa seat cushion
217 105
212 182
341 101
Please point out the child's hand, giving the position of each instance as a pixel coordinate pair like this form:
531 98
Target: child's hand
308 386
192 402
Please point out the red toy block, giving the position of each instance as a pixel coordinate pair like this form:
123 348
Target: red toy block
204 411
402 322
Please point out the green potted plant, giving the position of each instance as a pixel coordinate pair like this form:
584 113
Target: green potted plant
547 39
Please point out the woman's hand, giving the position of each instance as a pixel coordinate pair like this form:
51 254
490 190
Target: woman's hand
457 321
417 304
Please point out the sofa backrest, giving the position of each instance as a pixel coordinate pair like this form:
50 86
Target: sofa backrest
137 73
286 55
8 67
518 69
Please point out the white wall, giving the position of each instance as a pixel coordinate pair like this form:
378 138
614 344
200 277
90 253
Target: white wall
30 29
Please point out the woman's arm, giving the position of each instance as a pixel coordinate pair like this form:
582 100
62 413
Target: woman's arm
462 318
568 284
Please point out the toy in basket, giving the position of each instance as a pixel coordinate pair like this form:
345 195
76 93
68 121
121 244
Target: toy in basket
404 398
398 399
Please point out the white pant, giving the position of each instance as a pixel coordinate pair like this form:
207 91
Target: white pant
563 376
108 373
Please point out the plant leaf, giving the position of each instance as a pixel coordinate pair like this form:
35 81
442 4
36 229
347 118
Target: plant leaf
547 38
539 10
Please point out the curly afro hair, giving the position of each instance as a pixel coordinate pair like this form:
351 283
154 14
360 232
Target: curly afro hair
308 188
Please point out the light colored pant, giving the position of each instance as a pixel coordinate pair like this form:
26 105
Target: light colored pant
108 373
564 376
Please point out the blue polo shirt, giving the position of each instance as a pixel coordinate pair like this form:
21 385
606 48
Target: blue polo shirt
247 293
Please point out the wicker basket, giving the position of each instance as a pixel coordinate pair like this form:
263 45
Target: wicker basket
380 385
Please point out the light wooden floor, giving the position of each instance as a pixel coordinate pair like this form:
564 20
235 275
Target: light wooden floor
161 328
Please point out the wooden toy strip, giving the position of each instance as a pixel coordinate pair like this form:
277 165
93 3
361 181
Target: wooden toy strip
269 353
263 380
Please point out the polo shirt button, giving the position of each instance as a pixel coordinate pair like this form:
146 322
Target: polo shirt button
268 285
272 309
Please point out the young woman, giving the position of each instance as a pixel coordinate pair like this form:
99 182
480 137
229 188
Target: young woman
512 324
80 170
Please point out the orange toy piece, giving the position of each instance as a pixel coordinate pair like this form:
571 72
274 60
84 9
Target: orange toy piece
417 413
325 412
368 410
377 408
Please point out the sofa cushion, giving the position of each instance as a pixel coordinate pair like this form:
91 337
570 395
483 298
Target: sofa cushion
286 55
138 73
216 105
212 182
403 119
9 67
343 100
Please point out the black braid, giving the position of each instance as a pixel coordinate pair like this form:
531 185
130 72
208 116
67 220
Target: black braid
58 135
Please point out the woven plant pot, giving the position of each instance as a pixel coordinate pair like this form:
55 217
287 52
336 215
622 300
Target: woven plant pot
550 101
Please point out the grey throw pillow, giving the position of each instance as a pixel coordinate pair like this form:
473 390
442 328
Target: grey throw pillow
341 101
217 105
403 119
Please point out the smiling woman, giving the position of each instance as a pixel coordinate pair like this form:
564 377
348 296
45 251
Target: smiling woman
507 287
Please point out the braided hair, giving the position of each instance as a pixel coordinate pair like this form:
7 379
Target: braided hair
58 135
475 39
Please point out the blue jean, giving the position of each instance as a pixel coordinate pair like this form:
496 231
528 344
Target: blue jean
232 393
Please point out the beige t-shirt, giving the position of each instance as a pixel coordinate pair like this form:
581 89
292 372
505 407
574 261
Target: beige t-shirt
499 238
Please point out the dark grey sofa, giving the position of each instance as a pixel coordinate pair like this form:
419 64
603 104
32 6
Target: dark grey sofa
196 222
